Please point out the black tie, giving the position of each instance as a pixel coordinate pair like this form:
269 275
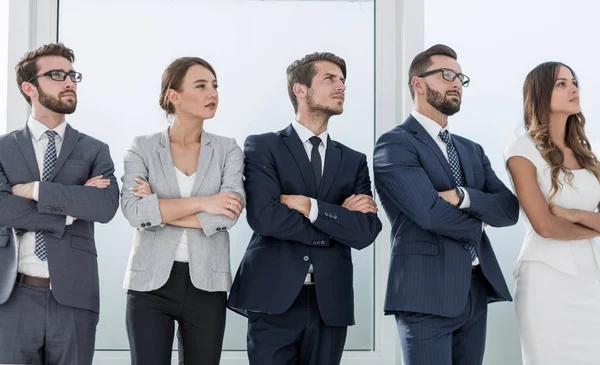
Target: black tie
315 158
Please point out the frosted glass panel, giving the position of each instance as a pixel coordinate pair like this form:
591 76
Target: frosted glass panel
122 48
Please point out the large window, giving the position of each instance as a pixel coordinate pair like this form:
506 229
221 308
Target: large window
122 48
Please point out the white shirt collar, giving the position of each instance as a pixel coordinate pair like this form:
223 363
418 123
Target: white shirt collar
305 133
37 129
431 126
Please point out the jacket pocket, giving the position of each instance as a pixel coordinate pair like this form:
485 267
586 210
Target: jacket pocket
415 248
4 240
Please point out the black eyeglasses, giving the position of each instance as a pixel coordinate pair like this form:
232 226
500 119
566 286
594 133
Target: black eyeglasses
449 75
59 75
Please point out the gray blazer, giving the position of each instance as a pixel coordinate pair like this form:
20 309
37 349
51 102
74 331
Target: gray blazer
220 168
72 256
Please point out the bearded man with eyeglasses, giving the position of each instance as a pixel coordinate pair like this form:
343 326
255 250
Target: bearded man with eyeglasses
55 182
439 192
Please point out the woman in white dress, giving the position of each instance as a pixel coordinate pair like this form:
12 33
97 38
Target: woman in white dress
556 178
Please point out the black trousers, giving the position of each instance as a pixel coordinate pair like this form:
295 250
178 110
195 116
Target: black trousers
151 316
296 337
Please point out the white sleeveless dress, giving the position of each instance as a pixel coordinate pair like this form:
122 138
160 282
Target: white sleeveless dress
557 282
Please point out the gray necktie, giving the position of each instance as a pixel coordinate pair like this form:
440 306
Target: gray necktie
49 162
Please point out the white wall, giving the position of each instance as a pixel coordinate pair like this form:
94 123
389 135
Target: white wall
3 63
498 43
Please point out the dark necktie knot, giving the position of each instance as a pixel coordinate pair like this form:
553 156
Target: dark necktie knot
445 136
51 135
316 141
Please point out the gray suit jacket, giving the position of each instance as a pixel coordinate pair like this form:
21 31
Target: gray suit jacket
220 168
71 249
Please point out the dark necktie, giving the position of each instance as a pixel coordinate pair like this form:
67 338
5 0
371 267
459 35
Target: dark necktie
49 162
457 173
315 158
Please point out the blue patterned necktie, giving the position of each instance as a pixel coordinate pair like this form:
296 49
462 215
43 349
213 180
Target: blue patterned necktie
49 162
457 173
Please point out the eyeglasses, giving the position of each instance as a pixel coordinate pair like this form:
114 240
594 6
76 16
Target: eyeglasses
59 75
449 75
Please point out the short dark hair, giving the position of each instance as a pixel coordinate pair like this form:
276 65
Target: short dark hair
173 77
422 61
303 70
27 68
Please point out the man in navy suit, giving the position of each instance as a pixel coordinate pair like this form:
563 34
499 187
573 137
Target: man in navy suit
438 189
309 201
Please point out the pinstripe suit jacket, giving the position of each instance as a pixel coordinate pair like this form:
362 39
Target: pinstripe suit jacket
430 266
220 168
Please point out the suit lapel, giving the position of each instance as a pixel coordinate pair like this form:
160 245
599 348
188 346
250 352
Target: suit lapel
293 143
71 138
206 152
333 156
166 161
422 135
463 156
23 138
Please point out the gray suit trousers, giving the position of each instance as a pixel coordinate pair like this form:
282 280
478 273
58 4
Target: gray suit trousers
36 329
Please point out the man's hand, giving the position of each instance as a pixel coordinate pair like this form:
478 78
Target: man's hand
299 203
98 182
360 203
23 190
450 196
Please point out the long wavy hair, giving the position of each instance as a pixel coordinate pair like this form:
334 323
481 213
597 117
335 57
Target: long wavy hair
537 92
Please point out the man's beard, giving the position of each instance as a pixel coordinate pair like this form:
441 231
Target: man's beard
439 102
319 109
55 104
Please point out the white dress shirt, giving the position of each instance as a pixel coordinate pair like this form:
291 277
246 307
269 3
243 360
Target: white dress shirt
434 129
305 134
29 263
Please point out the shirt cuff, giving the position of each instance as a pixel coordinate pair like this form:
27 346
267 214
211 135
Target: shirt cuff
466 201
69 220
314 210
36 191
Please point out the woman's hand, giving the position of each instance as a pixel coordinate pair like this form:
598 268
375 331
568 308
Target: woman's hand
143 189
228 204
572 215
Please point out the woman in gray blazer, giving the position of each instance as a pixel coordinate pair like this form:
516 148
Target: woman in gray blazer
182 191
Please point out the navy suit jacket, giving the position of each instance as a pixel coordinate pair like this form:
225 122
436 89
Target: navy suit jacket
285 243
430 266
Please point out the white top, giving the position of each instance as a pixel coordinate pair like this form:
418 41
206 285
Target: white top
29 263
185 188
583 193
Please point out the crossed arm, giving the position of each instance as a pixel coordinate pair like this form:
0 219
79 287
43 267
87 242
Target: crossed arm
271 213
141 205
549 221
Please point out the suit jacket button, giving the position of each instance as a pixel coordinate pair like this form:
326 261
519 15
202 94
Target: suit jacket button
335 217
143 225
62 210
305 258
48 209
219 229
322 242
148 224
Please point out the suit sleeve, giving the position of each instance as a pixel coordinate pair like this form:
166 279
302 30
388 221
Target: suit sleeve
496 205
266 214
139 212
231 181
355 229
22 214
403 184
84 202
